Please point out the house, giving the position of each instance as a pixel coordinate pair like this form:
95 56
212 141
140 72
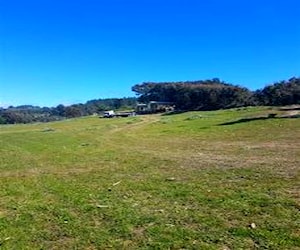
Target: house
141 108
154 107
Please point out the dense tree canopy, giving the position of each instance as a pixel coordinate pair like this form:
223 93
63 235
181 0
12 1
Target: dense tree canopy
216 94
280 93
197 95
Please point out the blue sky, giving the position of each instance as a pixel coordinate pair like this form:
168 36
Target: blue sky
56 51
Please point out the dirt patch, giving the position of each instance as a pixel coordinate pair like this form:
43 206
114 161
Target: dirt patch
291 114
295 194
3 213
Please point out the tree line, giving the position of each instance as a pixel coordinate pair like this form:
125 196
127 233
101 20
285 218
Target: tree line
216 94
29 114
210 94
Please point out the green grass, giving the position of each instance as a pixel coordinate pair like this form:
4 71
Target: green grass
152 182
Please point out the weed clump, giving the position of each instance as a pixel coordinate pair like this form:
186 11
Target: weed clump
165 121
48 130
194 117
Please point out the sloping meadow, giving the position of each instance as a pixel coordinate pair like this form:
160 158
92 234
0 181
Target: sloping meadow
225 179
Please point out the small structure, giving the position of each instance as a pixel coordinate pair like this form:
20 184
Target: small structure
112 113
108 114
154 107
141 108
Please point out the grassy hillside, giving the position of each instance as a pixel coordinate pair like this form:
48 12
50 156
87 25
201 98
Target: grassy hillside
199 180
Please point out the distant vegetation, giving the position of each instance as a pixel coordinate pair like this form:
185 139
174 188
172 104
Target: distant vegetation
28 113
211 94
280 93
215 94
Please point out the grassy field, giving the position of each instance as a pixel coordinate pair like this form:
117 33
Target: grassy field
199 180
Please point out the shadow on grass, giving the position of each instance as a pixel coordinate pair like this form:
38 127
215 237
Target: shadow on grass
270 116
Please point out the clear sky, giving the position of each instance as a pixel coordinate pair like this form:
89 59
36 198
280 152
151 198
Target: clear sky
63 51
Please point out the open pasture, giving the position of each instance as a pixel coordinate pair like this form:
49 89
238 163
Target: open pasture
227 179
